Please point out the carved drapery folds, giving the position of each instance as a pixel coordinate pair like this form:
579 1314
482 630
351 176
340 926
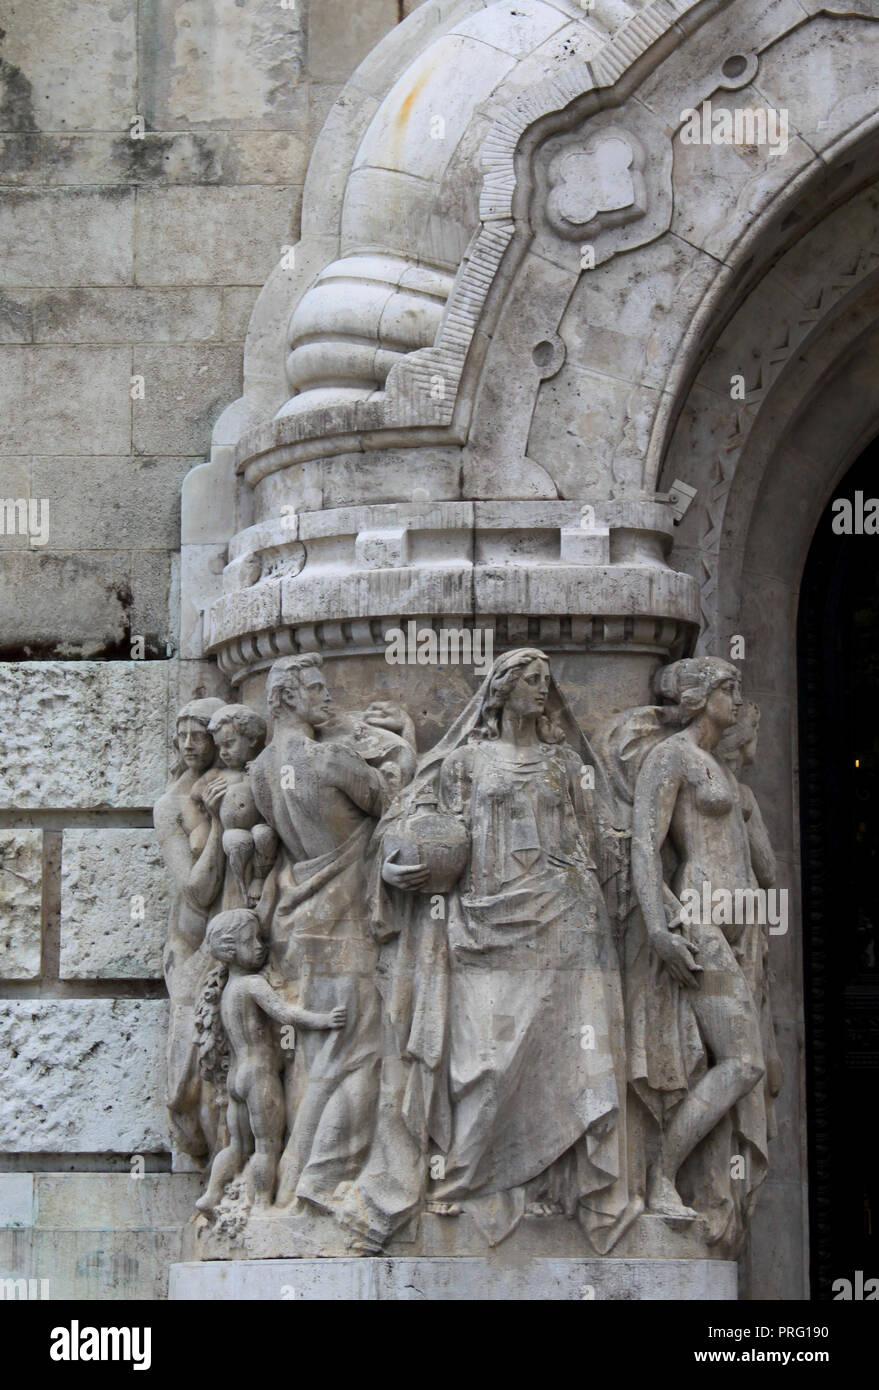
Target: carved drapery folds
470 996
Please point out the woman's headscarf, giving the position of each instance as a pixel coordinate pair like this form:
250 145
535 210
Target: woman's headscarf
558 711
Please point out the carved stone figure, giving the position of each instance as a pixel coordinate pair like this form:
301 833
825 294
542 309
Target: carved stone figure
248 844
321 784
698 1007
190 843
504 1078
255 1115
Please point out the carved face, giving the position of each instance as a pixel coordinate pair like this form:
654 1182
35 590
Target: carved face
724 702
528 695
309 697
252 950
196 745
234 748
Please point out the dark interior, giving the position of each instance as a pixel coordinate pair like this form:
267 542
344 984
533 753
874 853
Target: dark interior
838 653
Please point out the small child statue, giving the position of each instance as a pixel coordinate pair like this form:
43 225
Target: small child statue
239 733
255 1115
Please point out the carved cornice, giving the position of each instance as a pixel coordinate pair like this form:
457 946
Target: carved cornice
621 633
342 571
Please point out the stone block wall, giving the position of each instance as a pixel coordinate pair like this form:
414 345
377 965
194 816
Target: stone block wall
151 169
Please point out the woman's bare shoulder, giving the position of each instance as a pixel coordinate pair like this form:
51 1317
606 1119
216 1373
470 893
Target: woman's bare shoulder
669 759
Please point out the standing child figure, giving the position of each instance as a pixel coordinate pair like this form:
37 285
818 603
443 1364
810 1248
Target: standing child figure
255 1114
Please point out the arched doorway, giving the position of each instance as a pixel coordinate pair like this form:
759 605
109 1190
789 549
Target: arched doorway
838 663
765 472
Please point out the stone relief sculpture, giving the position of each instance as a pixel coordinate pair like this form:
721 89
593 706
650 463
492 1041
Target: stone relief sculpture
697 1029
321 783
501 1009
498 966
738 749
190 843
255 1105
248 845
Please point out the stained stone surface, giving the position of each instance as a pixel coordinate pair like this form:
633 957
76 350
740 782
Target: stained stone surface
82 734
97 586
114 905
98 1201
83 1075
105 1265
16 1200
437 1280
153 159
20 899
67 236
94 414
144 513
94 1235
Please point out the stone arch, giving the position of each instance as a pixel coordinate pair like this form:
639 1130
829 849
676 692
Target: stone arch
802 328
804 323
383 236
421 324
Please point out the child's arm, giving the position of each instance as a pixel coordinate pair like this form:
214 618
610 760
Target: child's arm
277 1008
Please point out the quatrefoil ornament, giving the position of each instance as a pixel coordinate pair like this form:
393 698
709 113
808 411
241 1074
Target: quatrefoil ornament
597 185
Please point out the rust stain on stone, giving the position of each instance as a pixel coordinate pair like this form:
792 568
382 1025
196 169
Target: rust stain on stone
408 102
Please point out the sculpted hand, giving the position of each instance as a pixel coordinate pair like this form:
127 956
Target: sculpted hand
213 794
674 917
678 957
338 1017
384 714
408 877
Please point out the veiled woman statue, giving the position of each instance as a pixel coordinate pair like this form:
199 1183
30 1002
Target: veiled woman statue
190 841
504 1061
696 1046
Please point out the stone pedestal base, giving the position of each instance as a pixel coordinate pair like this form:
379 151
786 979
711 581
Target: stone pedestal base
455 1280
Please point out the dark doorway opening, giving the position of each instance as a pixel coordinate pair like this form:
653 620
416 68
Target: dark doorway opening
838 646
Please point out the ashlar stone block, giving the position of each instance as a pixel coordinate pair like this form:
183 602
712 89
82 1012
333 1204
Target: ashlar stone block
83 1075
82 733
114 905
20 895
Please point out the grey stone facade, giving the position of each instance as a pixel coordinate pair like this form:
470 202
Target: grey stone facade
123 257
339 493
